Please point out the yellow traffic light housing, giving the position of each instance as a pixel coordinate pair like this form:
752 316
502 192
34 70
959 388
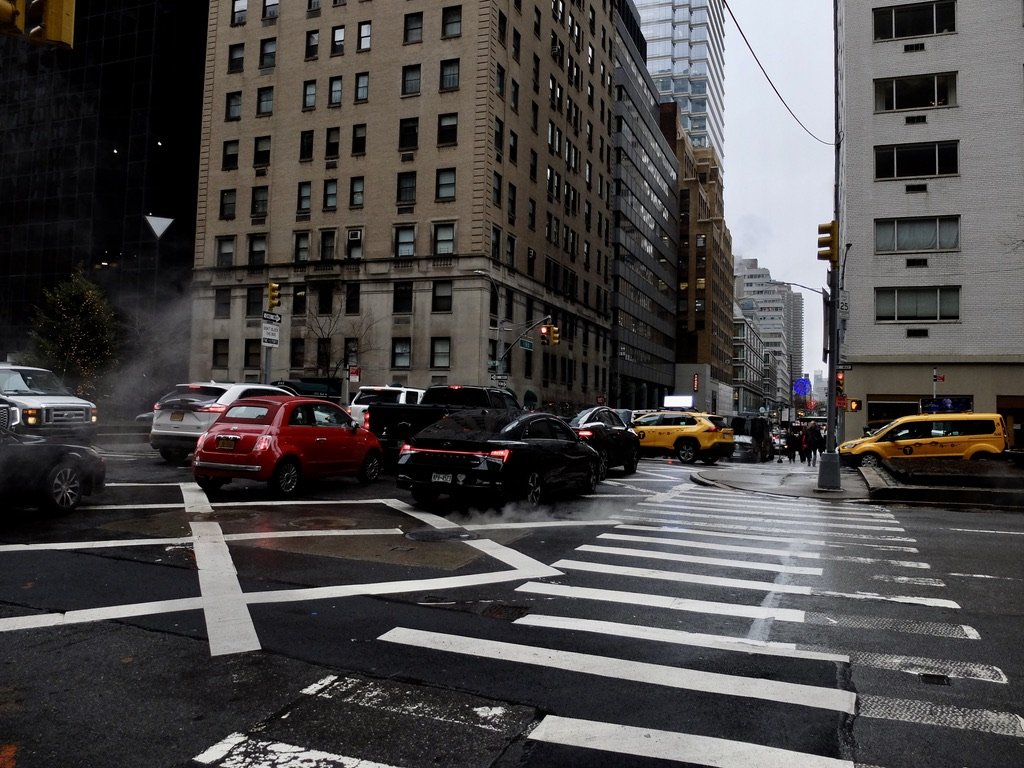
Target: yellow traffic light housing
554 334
12 16
545 335
828 242
273 295
49 21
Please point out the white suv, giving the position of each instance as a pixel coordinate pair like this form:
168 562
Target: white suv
181 416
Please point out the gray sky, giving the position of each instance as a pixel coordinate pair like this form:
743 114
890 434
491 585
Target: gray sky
779 180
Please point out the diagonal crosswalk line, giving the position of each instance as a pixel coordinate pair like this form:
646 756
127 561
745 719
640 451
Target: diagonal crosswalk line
677 747
623 669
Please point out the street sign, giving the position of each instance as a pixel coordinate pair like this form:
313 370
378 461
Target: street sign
844 367
844 305
271 334
499 378
272 317
526 344
354 373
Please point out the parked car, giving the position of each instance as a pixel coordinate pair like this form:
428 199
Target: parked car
616 443
285 441
36 472
941 435
367 395
182 415
497 456
688 436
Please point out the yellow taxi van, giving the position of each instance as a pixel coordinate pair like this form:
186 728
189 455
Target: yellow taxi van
926 435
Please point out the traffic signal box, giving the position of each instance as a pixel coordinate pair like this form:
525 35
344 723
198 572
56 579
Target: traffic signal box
554 334
273 295
828 243
42 21
840 382
545 335
856 405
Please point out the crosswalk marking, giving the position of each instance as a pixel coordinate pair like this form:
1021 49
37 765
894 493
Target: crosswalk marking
641 672
671 511
782 509
757 537
929 713
632 514
697 560
678 747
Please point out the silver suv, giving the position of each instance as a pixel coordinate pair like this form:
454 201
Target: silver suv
181 416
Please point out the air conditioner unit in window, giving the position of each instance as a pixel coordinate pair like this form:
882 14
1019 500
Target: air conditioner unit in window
355 234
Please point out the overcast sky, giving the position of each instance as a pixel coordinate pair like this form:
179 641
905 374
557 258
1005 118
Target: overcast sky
779 180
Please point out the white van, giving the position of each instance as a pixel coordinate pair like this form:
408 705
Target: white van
367 395
45 407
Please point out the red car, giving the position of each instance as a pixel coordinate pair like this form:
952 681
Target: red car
285 441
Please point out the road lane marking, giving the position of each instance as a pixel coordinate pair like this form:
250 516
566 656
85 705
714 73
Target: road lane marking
674 746
765 518
623 669
943 715
787 508
651 517
229 626
756 537
760 586
676 557
245 750
935 628
912 580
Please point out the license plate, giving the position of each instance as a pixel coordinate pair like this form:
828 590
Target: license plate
439 477
226 443
177 415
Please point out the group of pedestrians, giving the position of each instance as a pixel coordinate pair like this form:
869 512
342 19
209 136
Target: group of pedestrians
807 441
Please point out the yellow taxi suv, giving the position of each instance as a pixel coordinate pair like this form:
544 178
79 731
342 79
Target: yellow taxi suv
974 436
687 436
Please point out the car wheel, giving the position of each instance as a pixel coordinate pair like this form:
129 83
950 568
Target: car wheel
63 489
371 469
173 455
709 459
211 483
592 478
534 489
286 479
602 464
686 451
424 495
983 456
632 461
870 460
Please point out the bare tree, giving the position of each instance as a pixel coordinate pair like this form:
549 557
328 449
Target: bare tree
333 355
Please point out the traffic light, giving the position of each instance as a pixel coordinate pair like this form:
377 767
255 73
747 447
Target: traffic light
48 21
554 334
828 242
12 16
856 405
273 295
840 382
545 335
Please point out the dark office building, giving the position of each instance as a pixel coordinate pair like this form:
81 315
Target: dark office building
93 140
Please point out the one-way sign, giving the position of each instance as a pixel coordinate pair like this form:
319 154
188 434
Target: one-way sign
272 317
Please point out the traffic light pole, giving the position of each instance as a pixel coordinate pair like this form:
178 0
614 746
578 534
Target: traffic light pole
828 467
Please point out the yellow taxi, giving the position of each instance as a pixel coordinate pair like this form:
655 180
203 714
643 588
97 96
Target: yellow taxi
687 435
941 435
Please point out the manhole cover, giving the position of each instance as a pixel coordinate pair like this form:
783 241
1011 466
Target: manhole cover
505 612
441 534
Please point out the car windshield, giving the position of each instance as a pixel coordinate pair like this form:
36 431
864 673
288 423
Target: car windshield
365 397
257 413
196 392
29 381
582 417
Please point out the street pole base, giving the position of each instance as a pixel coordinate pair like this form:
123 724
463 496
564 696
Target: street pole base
828 472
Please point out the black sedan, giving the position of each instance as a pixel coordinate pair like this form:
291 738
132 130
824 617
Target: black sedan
496 456
613 439
51 476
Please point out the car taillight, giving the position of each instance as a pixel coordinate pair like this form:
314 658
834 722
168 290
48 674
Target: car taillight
263 443
501 453
406 448
712 428
585 433
366 419
157 406
212 408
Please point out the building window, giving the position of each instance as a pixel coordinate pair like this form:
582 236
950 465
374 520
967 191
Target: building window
359 139
920 92
354 246
304 197
265 100
301 250
441 296
325 300
413 32
225 251
496 189
222 302
511 200
233 106
401 352
355 192
309 94
259 202
932 233
297 353
352 294
444 239
333 146
451 21
441 352
269 9
312 44
499 81
299 301
448 129
338 40
365 33
330 194
328 244
220 347
449 80
510 250
254 302
408 134
909 160
411 80
261 151
915 20
513 96
334 91
228 198
405 242
323 354
306 145
402 298
917 304
362 86
257 250
406 194
236 57
268 52
238 9
445 187
513 147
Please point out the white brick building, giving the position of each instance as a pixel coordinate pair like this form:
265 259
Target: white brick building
931 190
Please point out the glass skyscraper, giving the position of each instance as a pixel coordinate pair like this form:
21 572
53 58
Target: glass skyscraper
686 58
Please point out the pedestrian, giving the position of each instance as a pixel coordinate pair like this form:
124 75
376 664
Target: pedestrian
817 443
792 444
805 445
